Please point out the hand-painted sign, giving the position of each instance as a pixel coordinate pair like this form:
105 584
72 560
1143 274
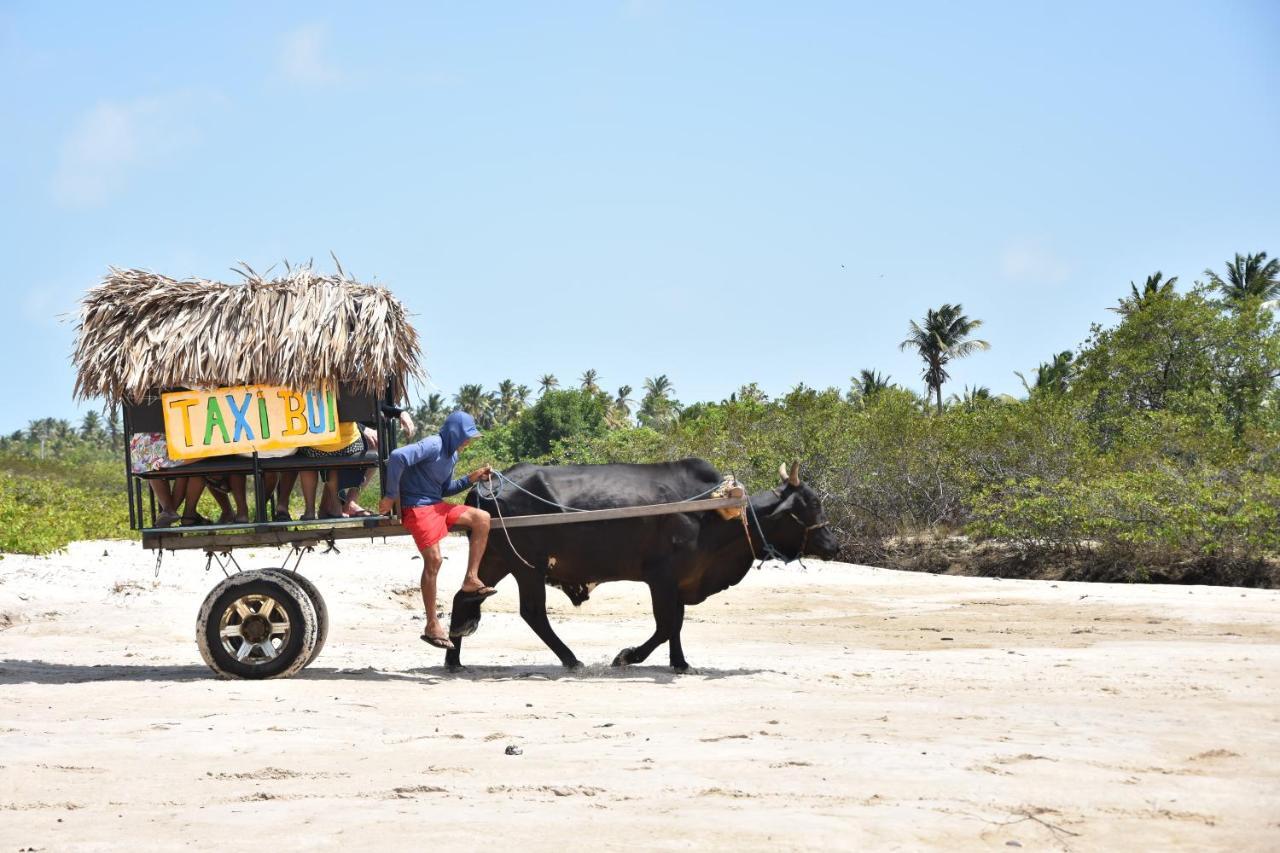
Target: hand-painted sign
247 418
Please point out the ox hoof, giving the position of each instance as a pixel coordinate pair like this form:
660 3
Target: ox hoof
455 667
574 665
681 668
623 658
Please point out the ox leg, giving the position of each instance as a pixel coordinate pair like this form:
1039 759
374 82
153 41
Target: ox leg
668 616
465 616
533 609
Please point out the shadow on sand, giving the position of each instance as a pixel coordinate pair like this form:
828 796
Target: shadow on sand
42 672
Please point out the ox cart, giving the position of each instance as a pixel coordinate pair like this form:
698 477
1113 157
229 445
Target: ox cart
236 378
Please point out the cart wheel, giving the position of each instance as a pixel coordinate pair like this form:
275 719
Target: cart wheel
258 624
317 602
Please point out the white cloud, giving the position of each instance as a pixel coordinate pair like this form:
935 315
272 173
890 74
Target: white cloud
304 56
1032 262
113 139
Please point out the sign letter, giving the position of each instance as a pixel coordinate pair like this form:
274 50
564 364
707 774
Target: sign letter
184 408
214 418
295 421
239 413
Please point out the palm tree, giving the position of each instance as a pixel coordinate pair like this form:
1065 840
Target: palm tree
944 336
658 408
623 401
1052 377
1156 287
1249 277
473 400
659 386
41 430
510 402
619 412
113 427
972 398
548 382
867 384
91 427
588 381
430 414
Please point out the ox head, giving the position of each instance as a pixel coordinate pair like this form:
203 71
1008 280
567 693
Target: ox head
796 524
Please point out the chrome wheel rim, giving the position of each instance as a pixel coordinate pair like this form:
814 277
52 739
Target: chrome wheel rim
254 629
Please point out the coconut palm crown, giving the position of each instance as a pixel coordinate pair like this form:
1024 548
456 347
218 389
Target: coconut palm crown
943 337
1249 277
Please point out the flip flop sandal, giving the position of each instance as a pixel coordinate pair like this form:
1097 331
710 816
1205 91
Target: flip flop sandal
167 519
438 642
364 513
478 594
281 515
194 521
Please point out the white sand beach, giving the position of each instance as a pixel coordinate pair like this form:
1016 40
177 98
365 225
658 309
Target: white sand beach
839 707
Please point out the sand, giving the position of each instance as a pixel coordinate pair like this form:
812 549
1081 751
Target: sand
838 707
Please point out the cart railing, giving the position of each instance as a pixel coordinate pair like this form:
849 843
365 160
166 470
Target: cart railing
228 537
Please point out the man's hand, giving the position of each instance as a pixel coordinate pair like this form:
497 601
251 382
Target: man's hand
407 423
480 474
387 506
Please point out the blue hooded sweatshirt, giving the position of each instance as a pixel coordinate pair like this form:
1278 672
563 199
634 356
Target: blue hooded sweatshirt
421 474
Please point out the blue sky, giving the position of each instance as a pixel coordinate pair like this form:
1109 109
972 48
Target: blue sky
721 192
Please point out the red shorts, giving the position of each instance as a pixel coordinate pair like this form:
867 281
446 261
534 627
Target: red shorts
429 524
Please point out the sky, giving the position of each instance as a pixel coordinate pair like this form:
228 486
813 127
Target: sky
719 192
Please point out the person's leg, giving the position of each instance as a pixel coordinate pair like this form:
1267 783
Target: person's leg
284 490
164 497
476 521
329 503
349 505
431 561
218 488
308 479
191 492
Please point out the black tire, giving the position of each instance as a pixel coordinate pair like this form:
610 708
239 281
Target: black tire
232 617
317 602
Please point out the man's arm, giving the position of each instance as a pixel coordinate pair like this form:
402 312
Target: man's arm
454 486
458 485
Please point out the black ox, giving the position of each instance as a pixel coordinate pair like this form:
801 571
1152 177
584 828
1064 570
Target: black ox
683 557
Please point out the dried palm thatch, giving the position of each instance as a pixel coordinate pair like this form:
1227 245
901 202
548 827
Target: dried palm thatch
139 331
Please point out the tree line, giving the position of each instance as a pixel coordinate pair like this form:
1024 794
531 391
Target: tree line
1155 442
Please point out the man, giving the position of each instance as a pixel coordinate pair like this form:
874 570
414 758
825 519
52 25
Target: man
420 476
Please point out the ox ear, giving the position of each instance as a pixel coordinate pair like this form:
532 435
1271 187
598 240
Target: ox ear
793 477
782 473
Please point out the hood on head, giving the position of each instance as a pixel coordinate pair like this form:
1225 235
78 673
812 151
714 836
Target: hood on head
457 428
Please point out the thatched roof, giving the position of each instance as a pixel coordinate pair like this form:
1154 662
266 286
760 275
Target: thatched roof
139 332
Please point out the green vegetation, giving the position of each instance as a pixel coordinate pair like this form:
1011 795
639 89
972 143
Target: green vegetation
44 504
1153 447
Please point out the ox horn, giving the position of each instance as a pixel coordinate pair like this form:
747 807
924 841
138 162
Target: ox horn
794 476
782 473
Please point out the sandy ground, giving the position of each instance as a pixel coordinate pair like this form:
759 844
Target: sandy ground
842 707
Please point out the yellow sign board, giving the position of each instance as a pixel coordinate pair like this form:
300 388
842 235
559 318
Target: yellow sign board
246 418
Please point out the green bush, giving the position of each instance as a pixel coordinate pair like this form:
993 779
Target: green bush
45 505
